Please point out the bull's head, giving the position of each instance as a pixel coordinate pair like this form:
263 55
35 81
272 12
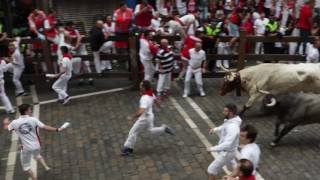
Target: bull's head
231 81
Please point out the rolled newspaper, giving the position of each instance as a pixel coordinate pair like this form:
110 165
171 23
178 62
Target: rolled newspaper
50 75
65 125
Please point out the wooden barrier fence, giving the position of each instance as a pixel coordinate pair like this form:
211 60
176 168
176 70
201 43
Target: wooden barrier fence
132 57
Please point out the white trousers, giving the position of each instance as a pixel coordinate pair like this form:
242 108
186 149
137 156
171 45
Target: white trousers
107 47
198 77
148 69
4 98
139 125
25 158
164 82
76 65
61 86
224 158
222 50
259 46
17 72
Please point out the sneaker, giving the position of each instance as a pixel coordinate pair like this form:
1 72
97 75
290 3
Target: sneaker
60 101
11 112
185 95
91 82
202 94
22 94
169 130
126 151
66 100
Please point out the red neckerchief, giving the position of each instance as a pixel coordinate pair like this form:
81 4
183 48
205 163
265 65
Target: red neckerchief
67 55
149 92
109 23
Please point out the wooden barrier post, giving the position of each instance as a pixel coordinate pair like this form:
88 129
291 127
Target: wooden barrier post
242 49
134 61
47 56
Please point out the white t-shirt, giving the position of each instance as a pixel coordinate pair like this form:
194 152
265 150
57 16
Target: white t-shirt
317 4
252 153
155 24
267 3
196 58
146 102
144 51
67 64
27 129
260 25
312 54
109 29
188 19
181 7
18 59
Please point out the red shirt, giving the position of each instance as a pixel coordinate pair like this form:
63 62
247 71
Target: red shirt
52 31
235 19
248 178
305 14
144 18
189 44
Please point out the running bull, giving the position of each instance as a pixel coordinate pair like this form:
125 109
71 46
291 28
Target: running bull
292 109
272 78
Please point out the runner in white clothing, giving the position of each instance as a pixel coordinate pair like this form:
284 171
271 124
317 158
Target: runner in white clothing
250 150
145 119
16 66
4 98
228 134
61 84
27 128
197 66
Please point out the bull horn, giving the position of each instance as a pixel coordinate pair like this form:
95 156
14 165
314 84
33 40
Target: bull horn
272 103
263 92
224 69
227 70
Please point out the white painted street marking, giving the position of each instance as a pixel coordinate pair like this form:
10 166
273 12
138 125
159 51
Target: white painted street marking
195 129
36 114
88 94
12 155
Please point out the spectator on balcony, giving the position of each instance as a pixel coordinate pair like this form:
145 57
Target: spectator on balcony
272 29
181 7
147 51
164 7
123 17
305 23
234 23
156 22
50 25
36 23
108 30
259 30
143 15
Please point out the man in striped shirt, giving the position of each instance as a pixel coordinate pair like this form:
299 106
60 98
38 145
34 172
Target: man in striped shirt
165 61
